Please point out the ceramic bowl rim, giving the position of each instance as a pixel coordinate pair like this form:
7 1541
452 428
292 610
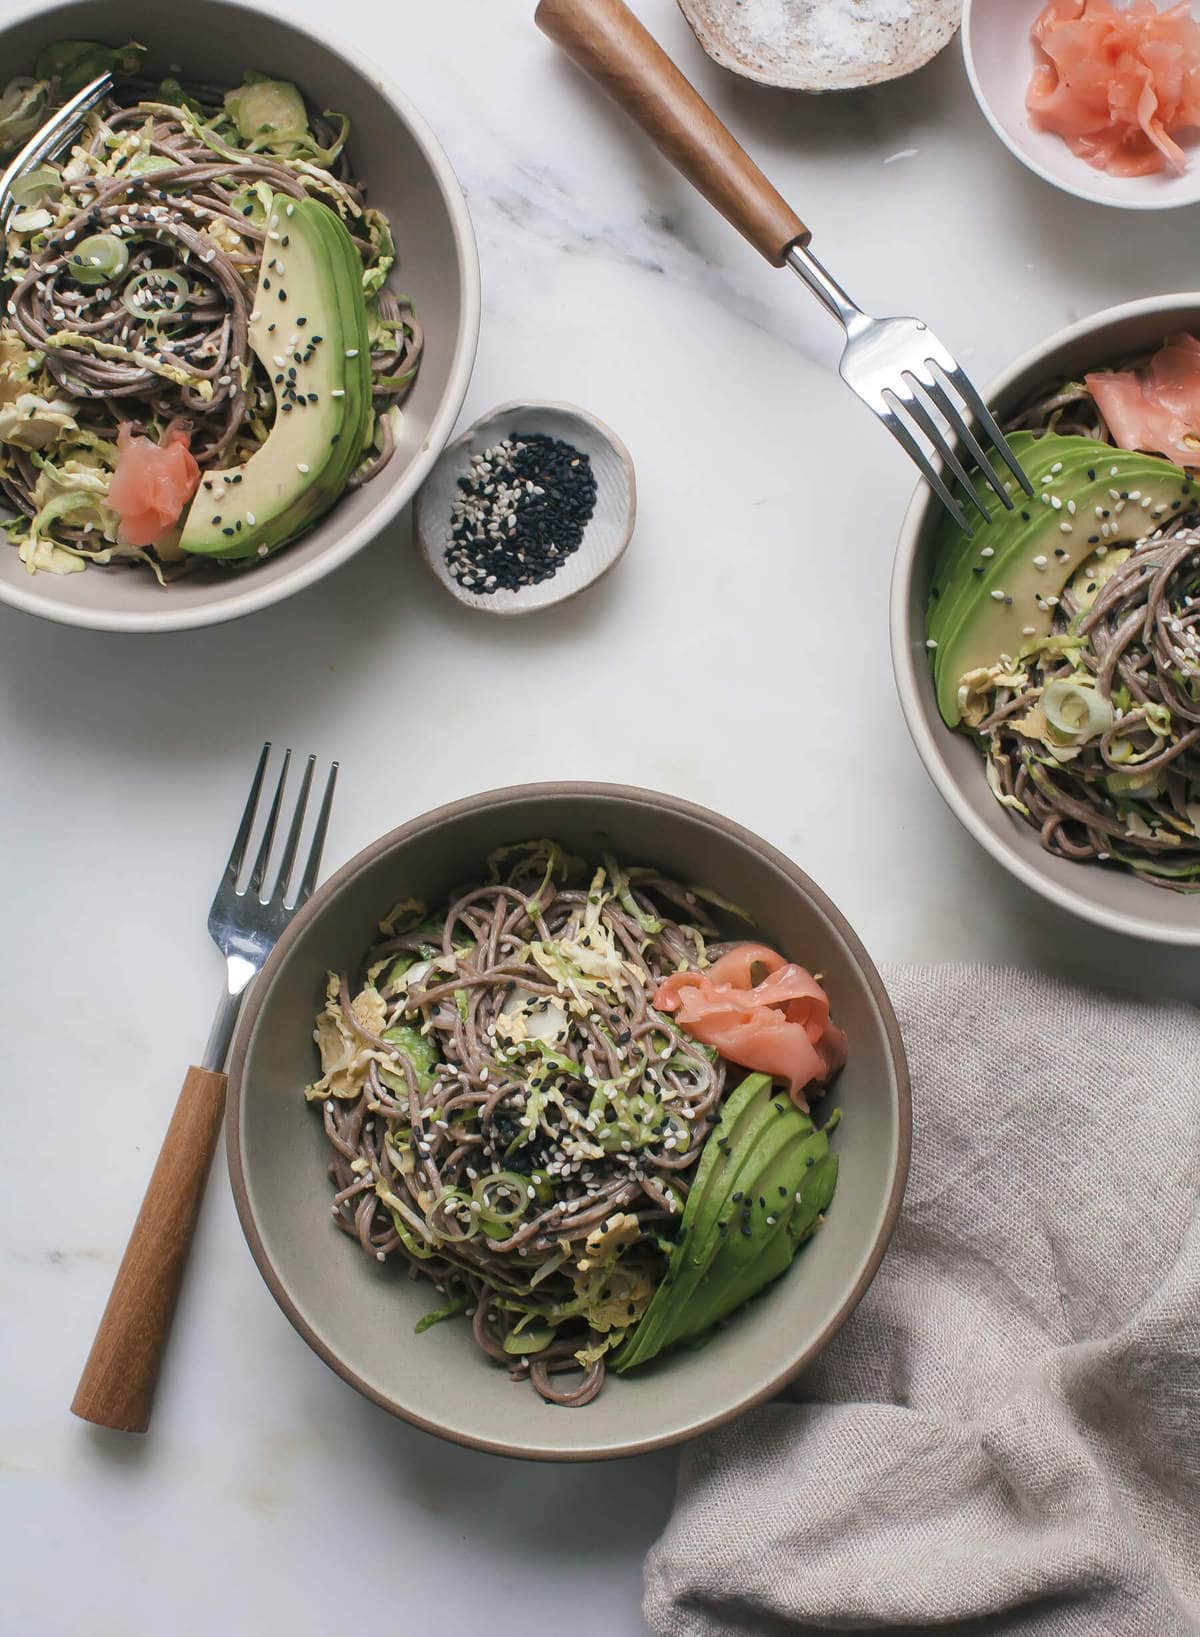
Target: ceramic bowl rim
511 795
924 730
348 542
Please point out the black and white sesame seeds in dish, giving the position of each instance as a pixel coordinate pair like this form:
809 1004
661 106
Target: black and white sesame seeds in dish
530 506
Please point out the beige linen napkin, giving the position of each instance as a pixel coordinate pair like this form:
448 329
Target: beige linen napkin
1005 1437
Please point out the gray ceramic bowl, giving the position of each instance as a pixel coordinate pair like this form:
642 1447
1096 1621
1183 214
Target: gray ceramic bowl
1117 901
359 1315
408 177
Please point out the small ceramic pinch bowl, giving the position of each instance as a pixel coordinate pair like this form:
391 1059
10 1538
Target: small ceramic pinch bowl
1113 899
358 1314
1000 57
607 533
809 48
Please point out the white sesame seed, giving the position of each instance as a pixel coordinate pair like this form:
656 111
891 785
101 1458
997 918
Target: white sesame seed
998 596
1065 528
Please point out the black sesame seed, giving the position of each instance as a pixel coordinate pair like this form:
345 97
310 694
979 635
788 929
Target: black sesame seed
266 284
283 295
1024 517
302 321
521 510
226 531
1091 474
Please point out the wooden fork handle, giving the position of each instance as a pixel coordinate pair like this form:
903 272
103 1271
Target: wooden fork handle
119 1378
606 40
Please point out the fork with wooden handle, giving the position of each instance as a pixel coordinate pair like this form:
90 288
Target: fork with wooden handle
117 1386
897 366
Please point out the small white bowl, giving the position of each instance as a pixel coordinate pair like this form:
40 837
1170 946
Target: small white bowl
604 539
1000 58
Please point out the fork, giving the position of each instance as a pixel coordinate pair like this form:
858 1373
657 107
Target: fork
897 366
48 139
117 1386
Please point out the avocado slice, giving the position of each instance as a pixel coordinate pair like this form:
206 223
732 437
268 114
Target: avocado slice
692 1268
763 1179
746 1262
746 1120
992 595
309 330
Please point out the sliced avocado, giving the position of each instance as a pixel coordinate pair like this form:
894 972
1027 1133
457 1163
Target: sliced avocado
309 330
749 1126
746 1261
762 1167
680 1318
993 595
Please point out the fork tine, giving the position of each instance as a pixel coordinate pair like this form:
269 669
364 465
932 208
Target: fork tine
921 461
268 838
983 415
312 869
937 391
238 853
279 891
920 414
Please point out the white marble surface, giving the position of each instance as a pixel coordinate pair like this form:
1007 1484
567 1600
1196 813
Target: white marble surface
267 1493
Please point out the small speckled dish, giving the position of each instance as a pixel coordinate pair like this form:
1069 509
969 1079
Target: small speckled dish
358 1314
815 47
1000 58
607 533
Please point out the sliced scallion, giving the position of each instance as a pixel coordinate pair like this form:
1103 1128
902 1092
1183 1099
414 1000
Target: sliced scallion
1076 709
155 295
100 259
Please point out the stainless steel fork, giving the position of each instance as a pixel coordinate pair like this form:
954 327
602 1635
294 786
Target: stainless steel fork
897 366
118 1381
